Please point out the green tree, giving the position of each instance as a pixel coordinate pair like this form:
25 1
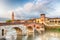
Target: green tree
8 20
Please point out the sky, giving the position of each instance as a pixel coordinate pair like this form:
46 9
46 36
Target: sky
28 9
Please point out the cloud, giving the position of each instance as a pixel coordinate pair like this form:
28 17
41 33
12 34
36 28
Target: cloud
28 7
55 12
31 9
4 12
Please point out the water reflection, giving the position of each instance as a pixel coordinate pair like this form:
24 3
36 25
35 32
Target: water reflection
37 36
30 37
45 36
19 38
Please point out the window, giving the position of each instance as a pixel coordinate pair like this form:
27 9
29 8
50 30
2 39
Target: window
55 21
2 32
59 21
51 21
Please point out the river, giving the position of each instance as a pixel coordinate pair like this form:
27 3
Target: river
49 35
42 36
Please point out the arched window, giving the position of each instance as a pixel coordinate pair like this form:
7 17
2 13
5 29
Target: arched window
2 32
55 21
59 21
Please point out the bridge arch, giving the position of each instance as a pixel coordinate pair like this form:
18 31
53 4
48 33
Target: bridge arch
18 30
22 28
29 28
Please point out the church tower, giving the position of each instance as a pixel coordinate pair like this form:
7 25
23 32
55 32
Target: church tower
42 18
12 16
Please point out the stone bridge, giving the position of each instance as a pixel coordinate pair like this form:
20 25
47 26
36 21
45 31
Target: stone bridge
24 28
20 28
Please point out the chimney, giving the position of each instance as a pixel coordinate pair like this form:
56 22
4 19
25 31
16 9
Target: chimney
12 16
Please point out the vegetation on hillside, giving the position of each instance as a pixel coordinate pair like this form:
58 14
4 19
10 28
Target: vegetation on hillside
54 29
8 21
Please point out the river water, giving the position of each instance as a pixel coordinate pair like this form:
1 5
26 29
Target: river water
42 36
11 35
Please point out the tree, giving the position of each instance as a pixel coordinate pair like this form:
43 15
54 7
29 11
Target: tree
8 20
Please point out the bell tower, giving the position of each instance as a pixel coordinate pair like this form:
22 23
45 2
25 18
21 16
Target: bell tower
42 18
12 16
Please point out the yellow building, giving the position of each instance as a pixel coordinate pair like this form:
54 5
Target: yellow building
44 19
41 19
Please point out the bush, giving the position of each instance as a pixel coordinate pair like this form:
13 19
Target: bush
56 29
8 20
